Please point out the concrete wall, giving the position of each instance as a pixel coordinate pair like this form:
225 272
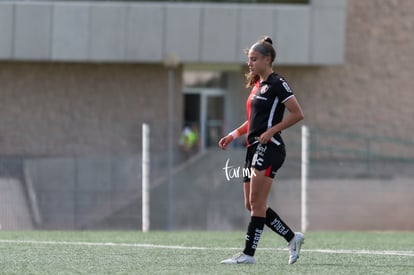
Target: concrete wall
67 109
145 31
73 193
77 129
348 204
372 92
14 209
205 200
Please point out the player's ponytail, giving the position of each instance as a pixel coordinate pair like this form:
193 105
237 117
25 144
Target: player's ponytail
268 40
251 79
267 43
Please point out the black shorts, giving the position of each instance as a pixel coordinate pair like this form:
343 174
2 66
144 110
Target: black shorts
269 157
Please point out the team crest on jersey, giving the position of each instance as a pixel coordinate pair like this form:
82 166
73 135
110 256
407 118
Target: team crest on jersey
264 89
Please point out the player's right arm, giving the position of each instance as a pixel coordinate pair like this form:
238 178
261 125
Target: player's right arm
241 130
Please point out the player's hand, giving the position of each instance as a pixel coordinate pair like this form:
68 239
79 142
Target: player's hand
265 137
224 141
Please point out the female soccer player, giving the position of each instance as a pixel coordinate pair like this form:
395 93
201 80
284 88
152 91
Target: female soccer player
266 104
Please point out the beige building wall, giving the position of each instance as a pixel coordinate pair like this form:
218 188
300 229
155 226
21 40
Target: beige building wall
69 109
80 109
373 92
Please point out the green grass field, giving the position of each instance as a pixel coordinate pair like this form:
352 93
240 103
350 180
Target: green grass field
195 252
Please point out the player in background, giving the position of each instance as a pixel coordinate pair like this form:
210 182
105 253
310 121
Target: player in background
269 97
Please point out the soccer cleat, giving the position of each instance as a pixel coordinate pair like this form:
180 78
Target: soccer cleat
294 247
240 258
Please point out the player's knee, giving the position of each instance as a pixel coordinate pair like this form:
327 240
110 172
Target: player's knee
257 207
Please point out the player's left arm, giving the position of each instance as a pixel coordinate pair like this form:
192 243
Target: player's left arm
295 115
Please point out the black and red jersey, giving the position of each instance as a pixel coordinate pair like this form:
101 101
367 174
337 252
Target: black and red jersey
265 107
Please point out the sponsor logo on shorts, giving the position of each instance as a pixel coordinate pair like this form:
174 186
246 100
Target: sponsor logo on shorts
257 161
258 156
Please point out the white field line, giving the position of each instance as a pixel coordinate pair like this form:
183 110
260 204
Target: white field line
407 253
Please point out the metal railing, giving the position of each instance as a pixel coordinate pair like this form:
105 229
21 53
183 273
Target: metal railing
362 148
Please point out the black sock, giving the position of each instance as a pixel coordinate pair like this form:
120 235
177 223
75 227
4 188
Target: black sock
254 231
276 224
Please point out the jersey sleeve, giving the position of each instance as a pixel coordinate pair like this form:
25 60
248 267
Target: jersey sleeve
284 90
